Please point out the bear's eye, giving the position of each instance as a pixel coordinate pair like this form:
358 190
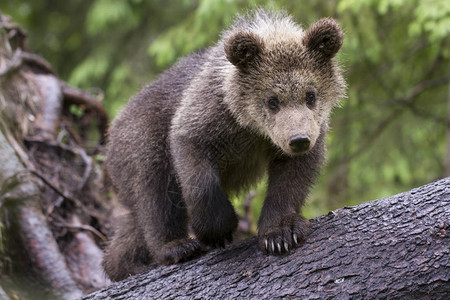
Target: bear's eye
273 103
310 99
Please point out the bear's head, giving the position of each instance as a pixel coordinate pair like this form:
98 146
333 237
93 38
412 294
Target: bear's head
284 81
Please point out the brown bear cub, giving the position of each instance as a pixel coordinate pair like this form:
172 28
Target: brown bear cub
211 126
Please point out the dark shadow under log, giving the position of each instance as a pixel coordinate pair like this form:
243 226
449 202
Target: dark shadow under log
396 247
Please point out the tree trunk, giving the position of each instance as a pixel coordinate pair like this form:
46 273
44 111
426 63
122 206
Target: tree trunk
396 247
54 208
36 247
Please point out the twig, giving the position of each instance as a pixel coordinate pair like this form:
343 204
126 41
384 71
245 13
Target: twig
57 190
53 204
82 227
424 85
406 101
87 160
23 156
76 150
373 136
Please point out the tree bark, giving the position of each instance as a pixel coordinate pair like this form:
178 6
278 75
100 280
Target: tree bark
396 247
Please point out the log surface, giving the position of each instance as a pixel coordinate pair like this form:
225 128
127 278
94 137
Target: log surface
395 247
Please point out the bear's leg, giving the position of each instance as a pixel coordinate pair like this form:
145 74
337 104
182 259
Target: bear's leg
162 218
212 216
281 228
127 253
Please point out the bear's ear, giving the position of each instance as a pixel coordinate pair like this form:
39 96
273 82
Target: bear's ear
324 38
242 49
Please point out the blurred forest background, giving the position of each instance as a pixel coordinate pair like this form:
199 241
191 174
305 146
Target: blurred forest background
392 132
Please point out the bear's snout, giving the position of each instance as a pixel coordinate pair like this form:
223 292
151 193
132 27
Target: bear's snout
299 144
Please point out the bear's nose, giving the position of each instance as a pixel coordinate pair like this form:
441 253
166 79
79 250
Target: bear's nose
299 144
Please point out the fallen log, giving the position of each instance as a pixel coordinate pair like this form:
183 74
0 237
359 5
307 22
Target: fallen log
396 247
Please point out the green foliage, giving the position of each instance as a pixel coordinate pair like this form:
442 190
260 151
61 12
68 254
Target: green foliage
432 18
76 110
104 14
90 69
389 136
196 30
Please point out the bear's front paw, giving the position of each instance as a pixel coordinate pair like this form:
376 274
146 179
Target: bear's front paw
282 236
214 229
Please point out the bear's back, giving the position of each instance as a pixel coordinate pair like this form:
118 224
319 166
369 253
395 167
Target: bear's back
140 130
166 92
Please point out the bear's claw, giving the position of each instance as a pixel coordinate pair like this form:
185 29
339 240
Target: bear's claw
294 237
283 236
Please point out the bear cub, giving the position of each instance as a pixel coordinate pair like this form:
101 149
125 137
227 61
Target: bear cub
258 102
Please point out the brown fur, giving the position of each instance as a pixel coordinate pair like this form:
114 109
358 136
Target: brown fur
212 125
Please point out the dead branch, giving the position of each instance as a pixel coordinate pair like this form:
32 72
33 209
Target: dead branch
47 121
37 62
54 207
